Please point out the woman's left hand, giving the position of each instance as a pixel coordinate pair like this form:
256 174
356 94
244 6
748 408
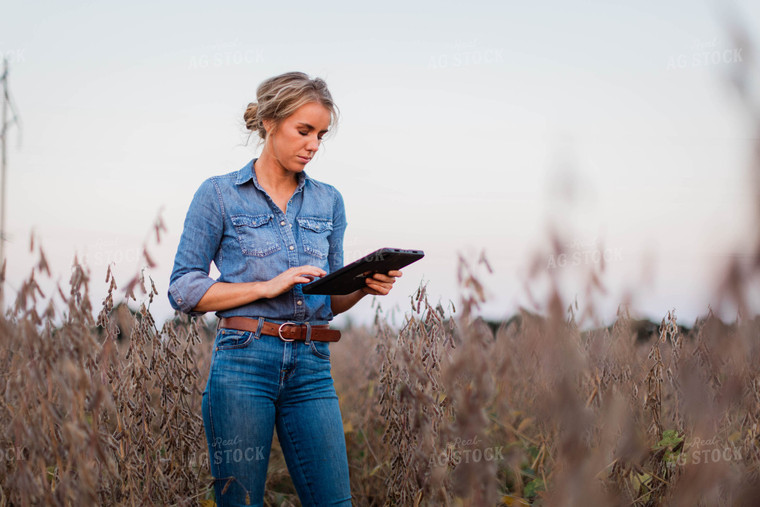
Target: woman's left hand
380 284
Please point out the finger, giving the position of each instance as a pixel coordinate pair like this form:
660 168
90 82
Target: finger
373 292
395 272
382 288
383 278
311 270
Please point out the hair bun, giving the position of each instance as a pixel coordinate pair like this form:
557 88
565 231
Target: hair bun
250 116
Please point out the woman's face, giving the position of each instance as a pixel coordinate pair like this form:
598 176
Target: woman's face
296 140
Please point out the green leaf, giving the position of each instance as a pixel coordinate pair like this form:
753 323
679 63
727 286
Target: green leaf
533 487
670 438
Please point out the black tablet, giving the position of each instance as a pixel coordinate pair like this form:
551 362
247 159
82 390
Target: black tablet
351 277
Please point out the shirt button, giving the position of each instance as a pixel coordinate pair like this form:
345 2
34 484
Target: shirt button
282 222
291 247
299 302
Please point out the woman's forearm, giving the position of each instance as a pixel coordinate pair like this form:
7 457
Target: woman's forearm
340 304
225 295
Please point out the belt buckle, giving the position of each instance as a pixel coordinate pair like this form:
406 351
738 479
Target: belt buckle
279 331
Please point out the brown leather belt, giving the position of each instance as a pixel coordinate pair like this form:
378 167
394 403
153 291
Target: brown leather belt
288 331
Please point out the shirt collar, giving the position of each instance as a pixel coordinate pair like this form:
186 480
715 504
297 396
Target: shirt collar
247 173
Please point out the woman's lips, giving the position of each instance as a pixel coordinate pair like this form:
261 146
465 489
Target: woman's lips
304 159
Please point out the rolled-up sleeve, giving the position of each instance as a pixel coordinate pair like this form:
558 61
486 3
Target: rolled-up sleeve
200 240
335 257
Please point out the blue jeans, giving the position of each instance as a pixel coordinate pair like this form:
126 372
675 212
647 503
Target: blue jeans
258 382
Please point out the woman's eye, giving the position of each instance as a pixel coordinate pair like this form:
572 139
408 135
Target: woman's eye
303 133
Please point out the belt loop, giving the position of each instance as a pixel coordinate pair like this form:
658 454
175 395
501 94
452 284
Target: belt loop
308 332
258 328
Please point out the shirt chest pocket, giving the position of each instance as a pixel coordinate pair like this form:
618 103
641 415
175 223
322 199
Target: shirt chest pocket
315 234
256 234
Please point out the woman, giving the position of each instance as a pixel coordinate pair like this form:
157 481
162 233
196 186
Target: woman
270 228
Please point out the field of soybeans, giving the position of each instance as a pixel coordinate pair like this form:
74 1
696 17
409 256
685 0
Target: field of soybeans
101 403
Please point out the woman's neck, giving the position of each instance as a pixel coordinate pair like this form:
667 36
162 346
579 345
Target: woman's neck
273 176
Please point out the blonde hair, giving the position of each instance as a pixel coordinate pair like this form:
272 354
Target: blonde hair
278 97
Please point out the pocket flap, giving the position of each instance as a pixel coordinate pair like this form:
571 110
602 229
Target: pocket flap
315 224
251 220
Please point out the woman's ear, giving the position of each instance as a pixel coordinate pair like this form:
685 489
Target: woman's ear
268 126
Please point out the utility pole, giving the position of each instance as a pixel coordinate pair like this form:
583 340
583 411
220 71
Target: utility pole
6 124
2 181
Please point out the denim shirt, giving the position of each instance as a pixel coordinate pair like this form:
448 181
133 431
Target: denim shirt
234 222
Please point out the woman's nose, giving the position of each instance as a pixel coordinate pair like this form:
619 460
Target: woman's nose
313 144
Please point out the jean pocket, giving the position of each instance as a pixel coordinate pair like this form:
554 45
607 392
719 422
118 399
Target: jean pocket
256 234
315 234
227 339
320 349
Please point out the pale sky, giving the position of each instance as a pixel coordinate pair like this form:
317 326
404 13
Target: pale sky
461 124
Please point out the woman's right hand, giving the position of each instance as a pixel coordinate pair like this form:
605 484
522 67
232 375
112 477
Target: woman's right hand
288 278
226 295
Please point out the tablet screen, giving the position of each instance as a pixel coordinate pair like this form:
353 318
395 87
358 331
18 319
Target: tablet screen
351 277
